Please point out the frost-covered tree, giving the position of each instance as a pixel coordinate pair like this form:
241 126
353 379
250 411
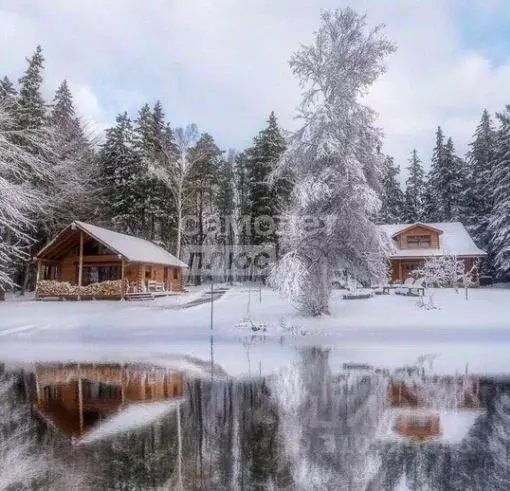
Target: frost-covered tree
499 219
415 191
392 197
73 165
20 200
120 168
174 170
264 192
478 198
445 183
31 108
335 161
7 89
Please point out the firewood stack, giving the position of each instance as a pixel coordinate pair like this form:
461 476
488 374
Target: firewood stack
52 288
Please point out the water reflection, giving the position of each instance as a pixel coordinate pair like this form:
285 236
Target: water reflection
304 427
78 397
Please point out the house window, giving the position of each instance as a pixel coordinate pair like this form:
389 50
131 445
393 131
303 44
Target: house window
97 391
50 272
419 241
176 273
97 274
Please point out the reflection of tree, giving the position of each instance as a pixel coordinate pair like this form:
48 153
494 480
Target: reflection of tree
329 422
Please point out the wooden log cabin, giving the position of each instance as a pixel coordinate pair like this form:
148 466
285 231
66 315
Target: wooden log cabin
89 262
76 398
412 244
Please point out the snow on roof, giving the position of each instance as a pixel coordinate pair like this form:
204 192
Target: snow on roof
454 239
132 248
132 418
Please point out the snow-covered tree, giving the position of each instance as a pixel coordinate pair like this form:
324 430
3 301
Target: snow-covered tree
265 195
73 194
120 167
445 183
415 191
392 197
335 161
175 171
478 197
31 108
499 220
7 89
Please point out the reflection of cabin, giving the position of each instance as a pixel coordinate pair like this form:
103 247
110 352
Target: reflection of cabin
456 392
85 261
77 397
413 243
419 427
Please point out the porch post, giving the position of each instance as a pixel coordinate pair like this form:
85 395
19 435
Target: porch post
122 272
400 271
80 265
38 277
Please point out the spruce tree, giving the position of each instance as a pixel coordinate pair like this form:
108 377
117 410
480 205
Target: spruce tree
392 198
74 160
414 196
445 183
478 196
265 195
7 89
120 172
31 109
499 218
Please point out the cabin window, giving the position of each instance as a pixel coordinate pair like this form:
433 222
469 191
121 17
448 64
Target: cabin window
97 391
95 249
97 274
176 273
50 272
419 241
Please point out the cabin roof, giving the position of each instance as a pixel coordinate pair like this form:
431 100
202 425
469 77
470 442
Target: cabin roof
132 248
454 240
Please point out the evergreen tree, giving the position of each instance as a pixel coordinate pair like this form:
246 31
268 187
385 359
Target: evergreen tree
7 89
263 198
499 219
31 109
392 197
120 175
445 182
478 197
74 197
415 191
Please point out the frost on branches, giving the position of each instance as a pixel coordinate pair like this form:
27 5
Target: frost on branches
21 168
336 162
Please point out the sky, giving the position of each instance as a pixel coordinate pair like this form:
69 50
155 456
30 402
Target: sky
223 64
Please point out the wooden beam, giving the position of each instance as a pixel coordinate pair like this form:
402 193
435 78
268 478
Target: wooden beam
80 265
38 277
122 273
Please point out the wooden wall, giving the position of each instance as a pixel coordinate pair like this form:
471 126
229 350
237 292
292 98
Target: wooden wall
135 273
402 238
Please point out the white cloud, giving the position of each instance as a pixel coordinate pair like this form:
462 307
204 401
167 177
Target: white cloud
224 63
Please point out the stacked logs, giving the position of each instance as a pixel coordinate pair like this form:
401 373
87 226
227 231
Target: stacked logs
52 288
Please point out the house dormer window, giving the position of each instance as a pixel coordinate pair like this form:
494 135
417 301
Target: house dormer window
419 241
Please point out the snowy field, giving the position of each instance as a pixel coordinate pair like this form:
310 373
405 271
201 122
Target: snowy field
257 330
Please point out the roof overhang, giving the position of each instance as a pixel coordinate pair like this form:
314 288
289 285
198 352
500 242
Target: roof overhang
414 225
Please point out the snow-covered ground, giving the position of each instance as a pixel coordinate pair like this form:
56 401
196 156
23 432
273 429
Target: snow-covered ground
257 330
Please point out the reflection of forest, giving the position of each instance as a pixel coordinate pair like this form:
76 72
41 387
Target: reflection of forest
304 428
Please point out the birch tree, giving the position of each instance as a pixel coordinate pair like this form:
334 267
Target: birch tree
335 160
174 170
